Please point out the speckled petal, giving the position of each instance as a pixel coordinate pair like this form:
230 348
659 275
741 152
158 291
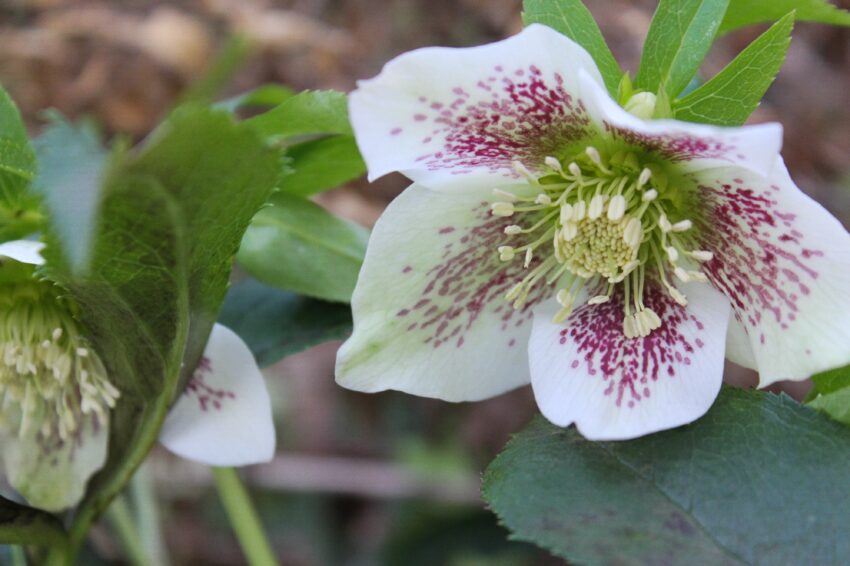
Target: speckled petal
587 372
784 263
430 317
439 114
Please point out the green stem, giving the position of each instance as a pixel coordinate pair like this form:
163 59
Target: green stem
147 515
122 521
19 557
243 518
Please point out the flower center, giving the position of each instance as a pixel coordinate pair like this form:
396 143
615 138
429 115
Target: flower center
50 380
600 221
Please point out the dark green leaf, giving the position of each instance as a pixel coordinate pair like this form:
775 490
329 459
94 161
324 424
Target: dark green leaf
573 19
19 214
72 165
297 245
746 12
20 524
159 270
731 96
680 35
760 479
323 164
277 323
309 113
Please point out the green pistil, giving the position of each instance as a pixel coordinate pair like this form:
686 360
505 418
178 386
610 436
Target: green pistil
607 220
50 380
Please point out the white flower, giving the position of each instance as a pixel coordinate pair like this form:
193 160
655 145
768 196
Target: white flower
57 396
653 238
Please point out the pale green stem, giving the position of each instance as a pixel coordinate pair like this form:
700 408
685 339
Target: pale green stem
243 518
147 515
19 556
122 522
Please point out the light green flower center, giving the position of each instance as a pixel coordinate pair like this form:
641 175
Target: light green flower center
601 221
50 379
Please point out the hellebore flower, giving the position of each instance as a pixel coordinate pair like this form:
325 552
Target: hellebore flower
552 236
57 395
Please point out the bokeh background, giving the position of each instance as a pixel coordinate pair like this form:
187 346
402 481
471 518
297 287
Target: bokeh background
359 479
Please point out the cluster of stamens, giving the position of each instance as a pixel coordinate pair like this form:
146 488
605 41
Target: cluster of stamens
51 381
606 220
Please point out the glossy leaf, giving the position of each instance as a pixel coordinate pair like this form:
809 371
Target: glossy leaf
276 323
831 394
573 19
679 37
298 246
264 96
760 479
19 214
322 164
746 12
309 113
160 263
733 94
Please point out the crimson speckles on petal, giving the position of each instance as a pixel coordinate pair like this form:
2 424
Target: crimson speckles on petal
468 280
514 115
674 146
208 397
761 261
632 366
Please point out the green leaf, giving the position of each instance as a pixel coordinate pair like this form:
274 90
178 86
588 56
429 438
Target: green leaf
277 323
19 214
20 524
264 96
159 269
746 12
297 245
573 19
760 479
733 94
679 37
323 164
309 113
831 394
72 166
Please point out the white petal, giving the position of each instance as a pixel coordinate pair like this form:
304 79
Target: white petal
738 349
24 251
784 263
613 388
693 145
438 114
224 417
430 317
53 475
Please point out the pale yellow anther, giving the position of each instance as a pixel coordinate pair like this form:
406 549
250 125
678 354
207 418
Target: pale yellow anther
569 231
701 255
513 230
598 300
529 255
594 156
677 295
649 195
554 164
579 211
672 254
644 177
597 206
574 169
682 275
633 233
564 298
629 328
506 253
543 199
616 208
682 226
56 334
523 170
566 213
503 209
698 276
664 223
